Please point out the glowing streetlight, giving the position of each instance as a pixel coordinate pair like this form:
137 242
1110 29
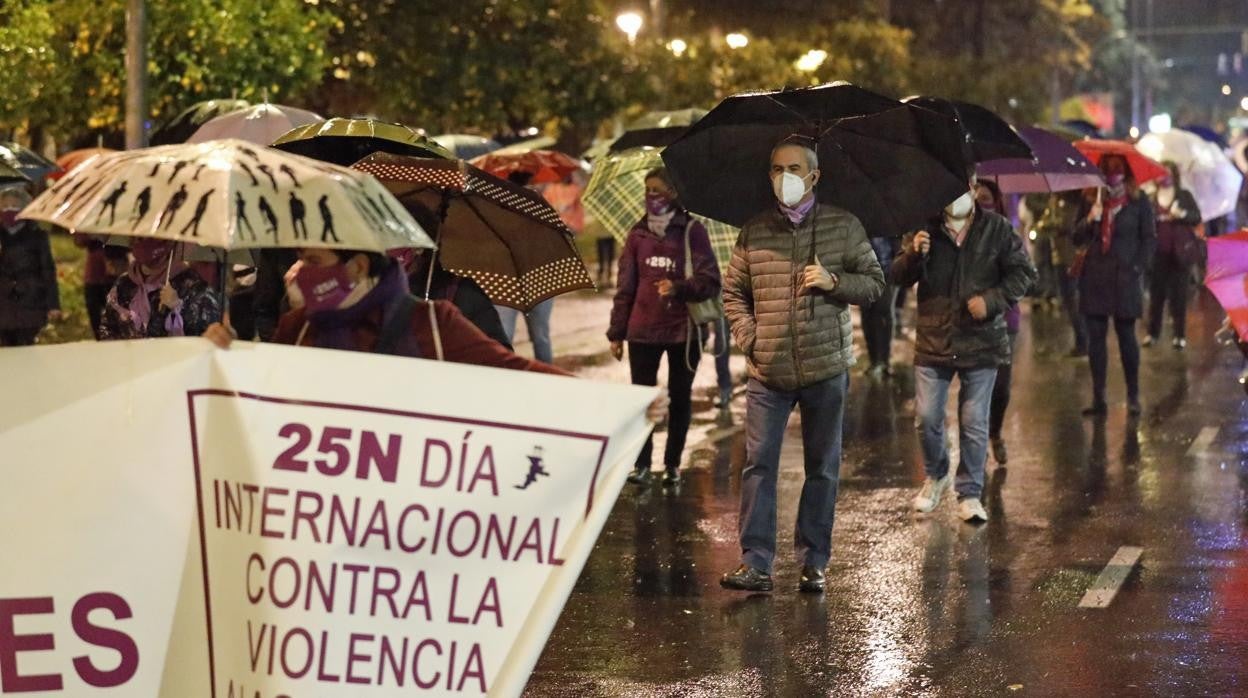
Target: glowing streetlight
1243 104
811 60
630 24
1134 132
1226 90
677 47
737 40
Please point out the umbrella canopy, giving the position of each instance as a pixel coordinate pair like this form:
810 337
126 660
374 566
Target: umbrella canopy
892 165
228 194
261 124
657 129
1227 276
8 175
31 164
346 141
544 166
1144 168
188 121
466 146
1083 127
1204 169
502 235
1057 166
74 158
616 192
988 136
1207 133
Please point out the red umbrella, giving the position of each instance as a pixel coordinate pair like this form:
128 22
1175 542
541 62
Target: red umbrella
545 166
1227 276
74 158
1144 168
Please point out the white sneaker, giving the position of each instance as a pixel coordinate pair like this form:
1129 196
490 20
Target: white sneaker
929 496
971 510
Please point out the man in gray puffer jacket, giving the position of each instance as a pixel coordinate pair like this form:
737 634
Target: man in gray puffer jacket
795 270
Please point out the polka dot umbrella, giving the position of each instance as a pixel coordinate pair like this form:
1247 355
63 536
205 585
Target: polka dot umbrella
503 236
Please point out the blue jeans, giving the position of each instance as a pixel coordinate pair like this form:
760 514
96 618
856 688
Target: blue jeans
931 386
723 350
538 322
766 418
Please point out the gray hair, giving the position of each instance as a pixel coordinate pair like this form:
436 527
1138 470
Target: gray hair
807 146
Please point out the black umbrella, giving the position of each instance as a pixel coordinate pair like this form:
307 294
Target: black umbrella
890 164
185 124
344 141
988 136
31 164
657 129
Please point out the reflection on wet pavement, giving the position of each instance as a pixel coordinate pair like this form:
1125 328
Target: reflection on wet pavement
931 606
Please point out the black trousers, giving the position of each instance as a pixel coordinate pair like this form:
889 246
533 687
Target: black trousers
96 295
1170 283
1001 394
1098 355
877 326
21 337
643 361
606 257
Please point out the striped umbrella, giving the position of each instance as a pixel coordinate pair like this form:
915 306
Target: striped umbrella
616 196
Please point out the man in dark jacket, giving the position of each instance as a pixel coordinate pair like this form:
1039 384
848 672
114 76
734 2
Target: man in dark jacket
795 271
28 289
1178 214
970 267
1120 232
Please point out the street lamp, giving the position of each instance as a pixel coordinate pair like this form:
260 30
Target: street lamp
1243 104
677 47
630 24
811 60
737 40
1226 90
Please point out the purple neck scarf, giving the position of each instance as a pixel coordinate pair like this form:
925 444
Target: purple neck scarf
796 214
333 327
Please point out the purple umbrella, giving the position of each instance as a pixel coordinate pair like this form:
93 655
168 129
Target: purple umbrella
1057 167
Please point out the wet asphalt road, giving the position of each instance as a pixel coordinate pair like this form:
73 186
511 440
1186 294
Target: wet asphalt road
929 605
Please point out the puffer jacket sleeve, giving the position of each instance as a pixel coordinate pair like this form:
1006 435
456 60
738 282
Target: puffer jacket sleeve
625 292
705 282
862 280
1017 274
739 296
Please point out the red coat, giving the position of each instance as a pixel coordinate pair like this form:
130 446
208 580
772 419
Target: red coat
462 342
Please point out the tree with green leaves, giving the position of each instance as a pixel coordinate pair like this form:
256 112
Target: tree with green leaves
62 61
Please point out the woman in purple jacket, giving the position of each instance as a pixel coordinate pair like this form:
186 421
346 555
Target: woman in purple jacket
650 311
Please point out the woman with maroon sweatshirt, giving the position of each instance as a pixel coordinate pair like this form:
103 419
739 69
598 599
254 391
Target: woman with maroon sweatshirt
650 311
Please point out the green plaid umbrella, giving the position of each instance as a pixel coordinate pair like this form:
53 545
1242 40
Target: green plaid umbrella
616 196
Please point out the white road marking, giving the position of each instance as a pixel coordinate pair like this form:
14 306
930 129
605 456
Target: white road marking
1202 441
1109 581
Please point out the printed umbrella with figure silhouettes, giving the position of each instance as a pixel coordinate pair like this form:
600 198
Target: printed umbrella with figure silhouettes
228 194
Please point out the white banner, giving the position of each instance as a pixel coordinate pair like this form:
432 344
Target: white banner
270 521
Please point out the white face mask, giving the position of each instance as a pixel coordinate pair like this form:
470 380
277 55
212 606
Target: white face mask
961 207
789 188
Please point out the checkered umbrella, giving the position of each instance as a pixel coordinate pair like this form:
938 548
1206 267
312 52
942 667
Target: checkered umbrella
616 196
502 235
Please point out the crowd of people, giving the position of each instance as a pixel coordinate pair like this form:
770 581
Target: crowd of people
795 271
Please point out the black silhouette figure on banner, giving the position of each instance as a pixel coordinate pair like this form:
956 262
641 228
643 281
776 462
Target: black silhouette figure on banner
155 169
199 168
381 215
85 196
72 191
200 208
142 203
365 213
177 167
382 200
110 204
250 153
240 215
171 209
269 173
285 169
536 468
269 215
328 218
254 182
297 213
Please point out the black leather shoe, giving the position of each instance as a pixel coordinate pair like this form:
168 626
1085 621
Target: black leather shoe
1098 409
999 452
671 477
746 578
640 476
813 580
